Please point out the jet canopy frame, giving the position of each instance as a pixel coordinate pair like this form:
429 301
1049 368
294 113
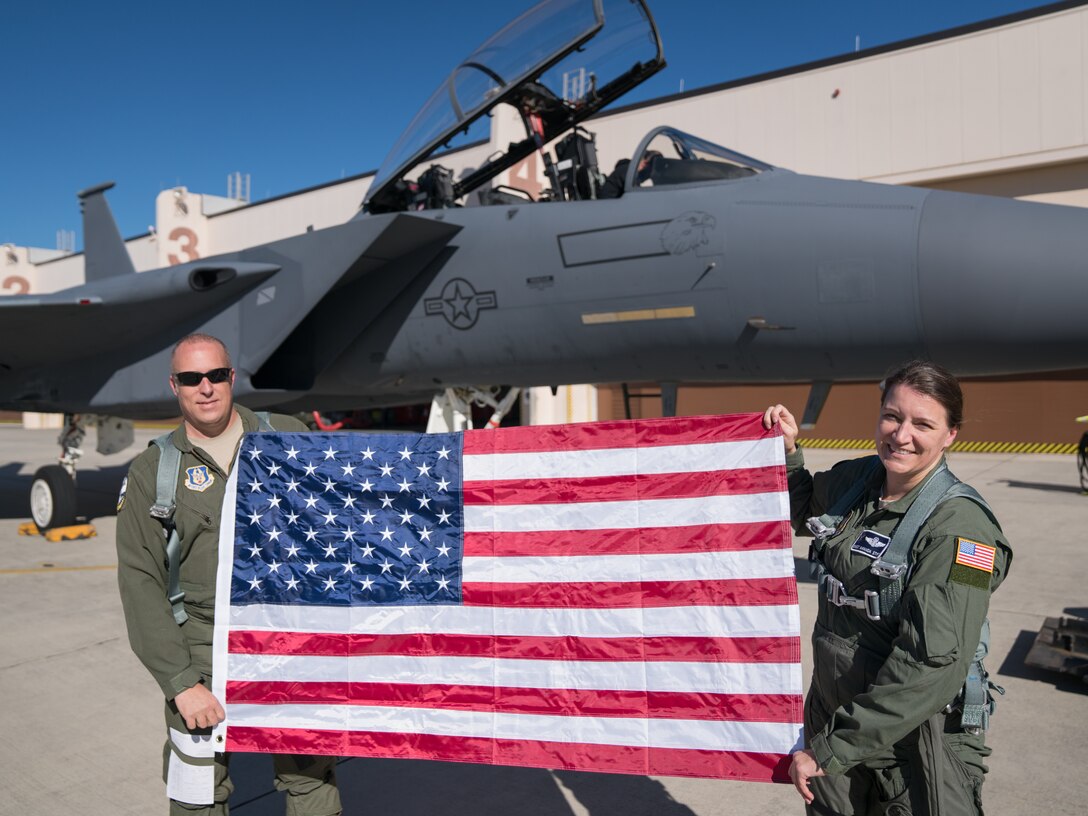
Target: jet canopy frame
667 156
557 64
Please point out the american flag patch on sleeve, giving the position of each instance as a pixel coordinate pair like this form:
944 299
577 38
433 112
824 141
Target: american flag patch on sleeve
972 554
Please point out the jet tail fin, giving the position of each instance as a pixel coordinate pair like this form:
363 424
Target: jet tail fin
104 251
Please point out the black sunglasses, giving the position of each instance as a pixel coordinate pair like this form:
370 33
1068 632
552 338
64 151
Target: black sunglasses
191 378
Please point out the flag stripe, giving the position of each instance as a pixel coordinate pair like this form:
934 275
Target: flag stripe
711 566
759 766
708 735
710 678
695 538
716 650
698 621
513 700
627 515
575 463
614 488
615 595
643 433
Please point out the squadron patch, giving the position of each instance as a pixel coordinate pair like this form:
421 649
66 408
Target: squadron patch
121 495
198 478
973 564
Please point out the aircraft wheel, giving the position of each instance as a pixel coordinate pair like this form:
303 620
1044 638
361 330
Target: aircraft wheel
52 498
1082 462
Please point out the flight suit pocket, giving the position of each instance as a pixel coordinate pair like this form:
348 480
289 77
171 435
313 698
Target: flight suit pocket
934 625
839 672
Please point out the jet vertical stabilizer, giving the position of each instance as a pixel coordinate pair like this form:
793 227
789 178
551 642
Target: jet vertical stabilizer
104 251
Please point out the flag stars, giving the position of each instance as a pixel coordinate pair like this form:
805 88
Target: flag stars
406 517
274 502
368 454
404 550
443 517
444 453
404 486
253 454
367 550
349 567
292 550
387 534
366 486
330 550
424 566
255 486
406 454
443 583
292 486
443 484
330 584
386 566
330 517
255 583
349 534
292 453
349 502
368 517
255 551
386 501
292 518
273 469
405 584
444 551
273 535
292 583
329 485
311 568
425 534
386 469
349 470
424 469
330 453
367 583
310 534
274 567
310 502
424 502
254 518
310 467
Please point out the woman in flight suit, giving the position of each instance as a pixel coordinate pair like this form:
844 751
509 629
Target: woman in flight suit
883 731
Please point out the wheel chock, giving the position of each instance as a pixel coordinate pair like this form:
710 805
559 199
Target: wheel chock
75 532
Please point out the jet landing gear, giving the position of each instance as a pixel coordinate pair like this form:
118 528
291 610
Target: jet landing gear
53 491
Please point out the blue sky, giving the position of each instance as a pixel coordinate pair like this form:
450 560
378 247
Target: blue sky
155 95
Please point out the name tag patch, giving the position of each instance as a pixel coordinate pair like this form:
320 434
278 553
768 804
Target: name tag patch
871 544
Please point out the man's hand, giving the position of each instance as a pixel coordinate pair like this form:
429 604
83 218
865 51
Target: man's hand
199 707
802 769
780 415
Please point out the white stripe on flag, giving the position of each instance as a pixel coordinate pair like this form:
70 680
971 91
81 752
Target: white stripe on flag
627 515
624 461
705 566
695 621
697 677
710 735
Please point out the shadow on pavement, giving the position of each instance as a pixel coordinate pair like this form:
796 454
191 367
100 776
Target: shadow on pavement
1014 666
423 788
1050 488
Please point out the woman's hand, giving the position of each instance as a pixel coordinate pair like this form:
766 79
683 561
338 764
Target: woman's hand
780 415
802 769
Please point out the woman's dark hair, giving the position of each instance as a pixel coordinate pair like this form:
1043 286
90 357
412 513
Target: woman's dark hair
932 380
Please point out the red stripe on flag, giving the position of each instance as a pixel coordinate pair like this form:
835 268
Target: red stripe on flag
643 433
656 649
513 700
631 594
623 488
697 538
762 767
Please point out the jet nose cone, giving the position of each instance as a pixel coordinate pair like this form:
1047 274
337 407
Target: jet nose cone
1003 284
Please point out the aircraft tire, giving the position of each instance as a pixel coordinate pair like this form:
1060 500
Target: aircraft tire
52 498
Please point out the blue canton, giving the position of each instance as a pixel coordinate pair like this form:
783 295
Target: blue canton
348 519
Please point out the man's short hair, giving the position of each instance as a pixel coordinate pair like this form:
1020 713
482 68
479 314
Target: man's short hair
200 337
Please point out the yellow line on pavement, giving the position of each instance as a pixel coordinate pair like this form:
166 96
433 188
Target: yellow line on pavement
56 569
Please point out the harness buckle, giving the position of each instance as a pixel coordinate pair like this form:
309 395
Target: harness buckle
889 572
162 512
818 527
872 604
869 603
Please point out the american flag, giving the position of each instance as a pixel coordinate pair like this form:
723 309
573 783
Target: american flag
614 596
973 554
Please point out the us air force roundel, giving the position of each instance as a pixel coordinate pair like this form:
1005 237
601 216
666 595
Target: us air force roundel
121 495
198 478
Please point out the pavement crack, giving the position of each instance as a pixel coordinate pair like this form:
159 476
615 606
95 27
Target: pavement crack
46 658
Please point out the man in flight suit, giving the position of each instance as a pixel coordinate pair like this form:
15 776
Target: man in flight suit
179 657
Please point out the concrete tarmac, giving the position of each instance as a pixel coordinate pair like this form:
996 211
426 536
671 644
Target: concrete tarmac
81 725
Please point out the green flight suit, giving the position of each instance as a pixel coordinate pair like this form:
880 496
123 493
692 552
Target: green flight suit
875 711
179 657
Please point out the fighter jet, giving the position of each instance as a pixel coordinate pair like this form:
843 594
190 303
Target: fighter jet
696 263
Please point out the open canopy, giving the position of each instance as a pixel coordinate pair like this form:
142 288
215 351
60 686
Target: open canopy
557 64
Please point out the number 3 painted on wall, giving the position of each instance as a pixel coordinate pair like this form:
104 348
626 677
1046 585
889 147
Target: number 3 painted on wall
187 241
20 284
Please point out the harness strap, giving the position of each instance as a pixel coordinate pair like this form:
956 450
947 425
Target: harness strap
166 484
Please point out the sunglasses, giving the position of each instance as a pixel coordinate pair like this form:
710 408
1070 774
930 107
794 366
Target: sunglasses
191 378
